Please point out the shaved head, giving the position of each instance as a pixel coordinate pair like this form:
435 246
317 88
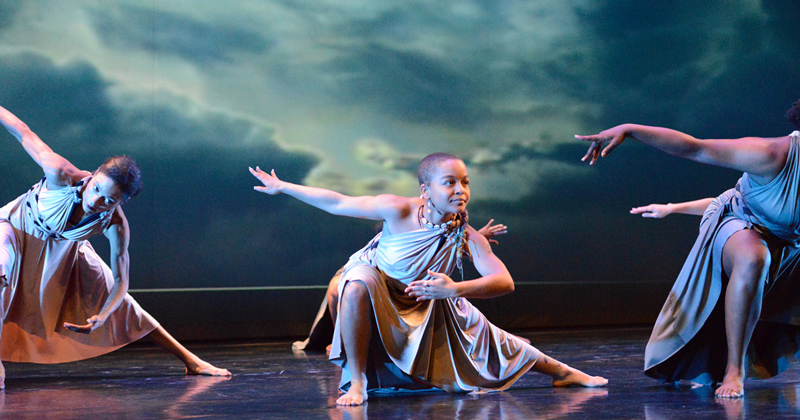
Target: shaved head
427 166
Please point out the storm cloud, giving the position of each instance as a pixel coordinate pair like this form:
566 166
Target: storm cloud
350 95
162 32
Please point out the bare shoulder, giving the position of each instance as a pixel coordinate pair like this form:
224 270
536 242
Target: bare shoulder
475 237
778 147
775 145
776 151
117 232
119 222
59 171
480 248
400 207
761 157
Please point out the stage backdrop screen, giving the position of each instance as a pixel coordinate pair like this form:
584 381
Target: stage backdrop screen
349 95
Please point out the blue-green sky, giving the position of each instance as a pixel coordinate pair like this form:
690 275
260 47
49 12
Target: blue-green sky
350 94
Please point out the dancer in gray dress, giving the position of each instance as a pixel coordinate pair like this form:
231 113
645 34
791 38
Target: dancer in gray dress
319 338
734 311
51 277
402 321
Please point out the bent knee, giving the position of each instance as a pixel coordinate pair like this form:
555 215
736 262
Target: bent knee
355 290
746 254
755 262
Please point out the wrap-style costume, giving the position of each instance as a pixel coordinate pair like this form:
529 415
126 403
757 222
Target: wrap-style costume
50 274
688 340
443 343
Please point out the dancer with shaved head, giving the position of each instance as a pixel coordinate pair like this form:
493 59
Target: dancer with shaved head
403 322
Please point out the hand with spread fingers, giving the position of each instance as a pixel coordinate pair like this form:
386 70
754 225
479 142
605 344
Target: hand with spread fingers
270 181
490 230
438 286
606 140
766 194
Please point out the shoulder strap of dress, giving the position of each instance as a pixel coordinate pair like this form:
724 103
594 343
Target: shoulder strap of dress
83 181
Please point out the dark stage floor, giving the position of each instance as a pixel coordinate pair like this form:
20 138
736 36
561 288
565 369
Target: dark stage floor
270 381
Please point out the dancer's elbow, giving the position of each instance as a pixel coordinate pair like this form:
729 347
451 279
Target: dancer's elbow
510 287
505 285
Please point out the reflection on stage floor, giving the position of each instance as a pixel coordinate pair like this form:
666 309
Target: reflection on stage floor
270 381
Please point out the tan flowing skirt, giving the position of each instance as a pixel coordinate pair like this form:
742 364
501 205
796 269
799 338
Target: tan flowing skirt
49 282
447 343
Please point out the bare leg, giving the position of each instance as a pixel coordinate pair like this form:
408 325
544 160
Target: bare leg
333 300
194 365
564 375
356 326
745 260
332 294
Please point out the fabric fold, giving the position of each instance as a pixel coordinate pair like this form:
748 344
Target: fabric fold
446 343
688 339
55 276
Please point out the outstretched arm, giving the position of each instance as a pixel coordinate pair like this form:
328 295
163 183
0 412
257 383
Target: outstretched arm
27 138
762 157
59 171
496 280
118 237
658 211
380 207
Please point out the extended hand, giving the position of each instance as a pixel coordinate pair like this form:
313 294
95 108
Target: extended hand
270 181
612 138
93 323
492 230
655 211
438 286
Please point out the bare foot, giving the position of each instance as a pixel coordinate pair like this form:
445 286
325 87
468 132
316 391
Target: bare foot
576 377
357 395
298 347
732 386
328 349
206 369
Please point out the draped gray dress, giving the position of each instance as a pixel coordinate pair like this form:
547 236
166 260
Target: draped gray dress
50 274
445 343
688 340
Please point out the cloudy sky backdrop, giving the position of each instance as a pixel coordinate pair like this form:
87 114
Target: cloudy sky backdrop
349 95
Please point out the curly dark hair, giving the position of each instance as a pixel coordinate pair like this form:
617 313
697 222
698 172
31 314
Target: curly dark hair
793 114
124 171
